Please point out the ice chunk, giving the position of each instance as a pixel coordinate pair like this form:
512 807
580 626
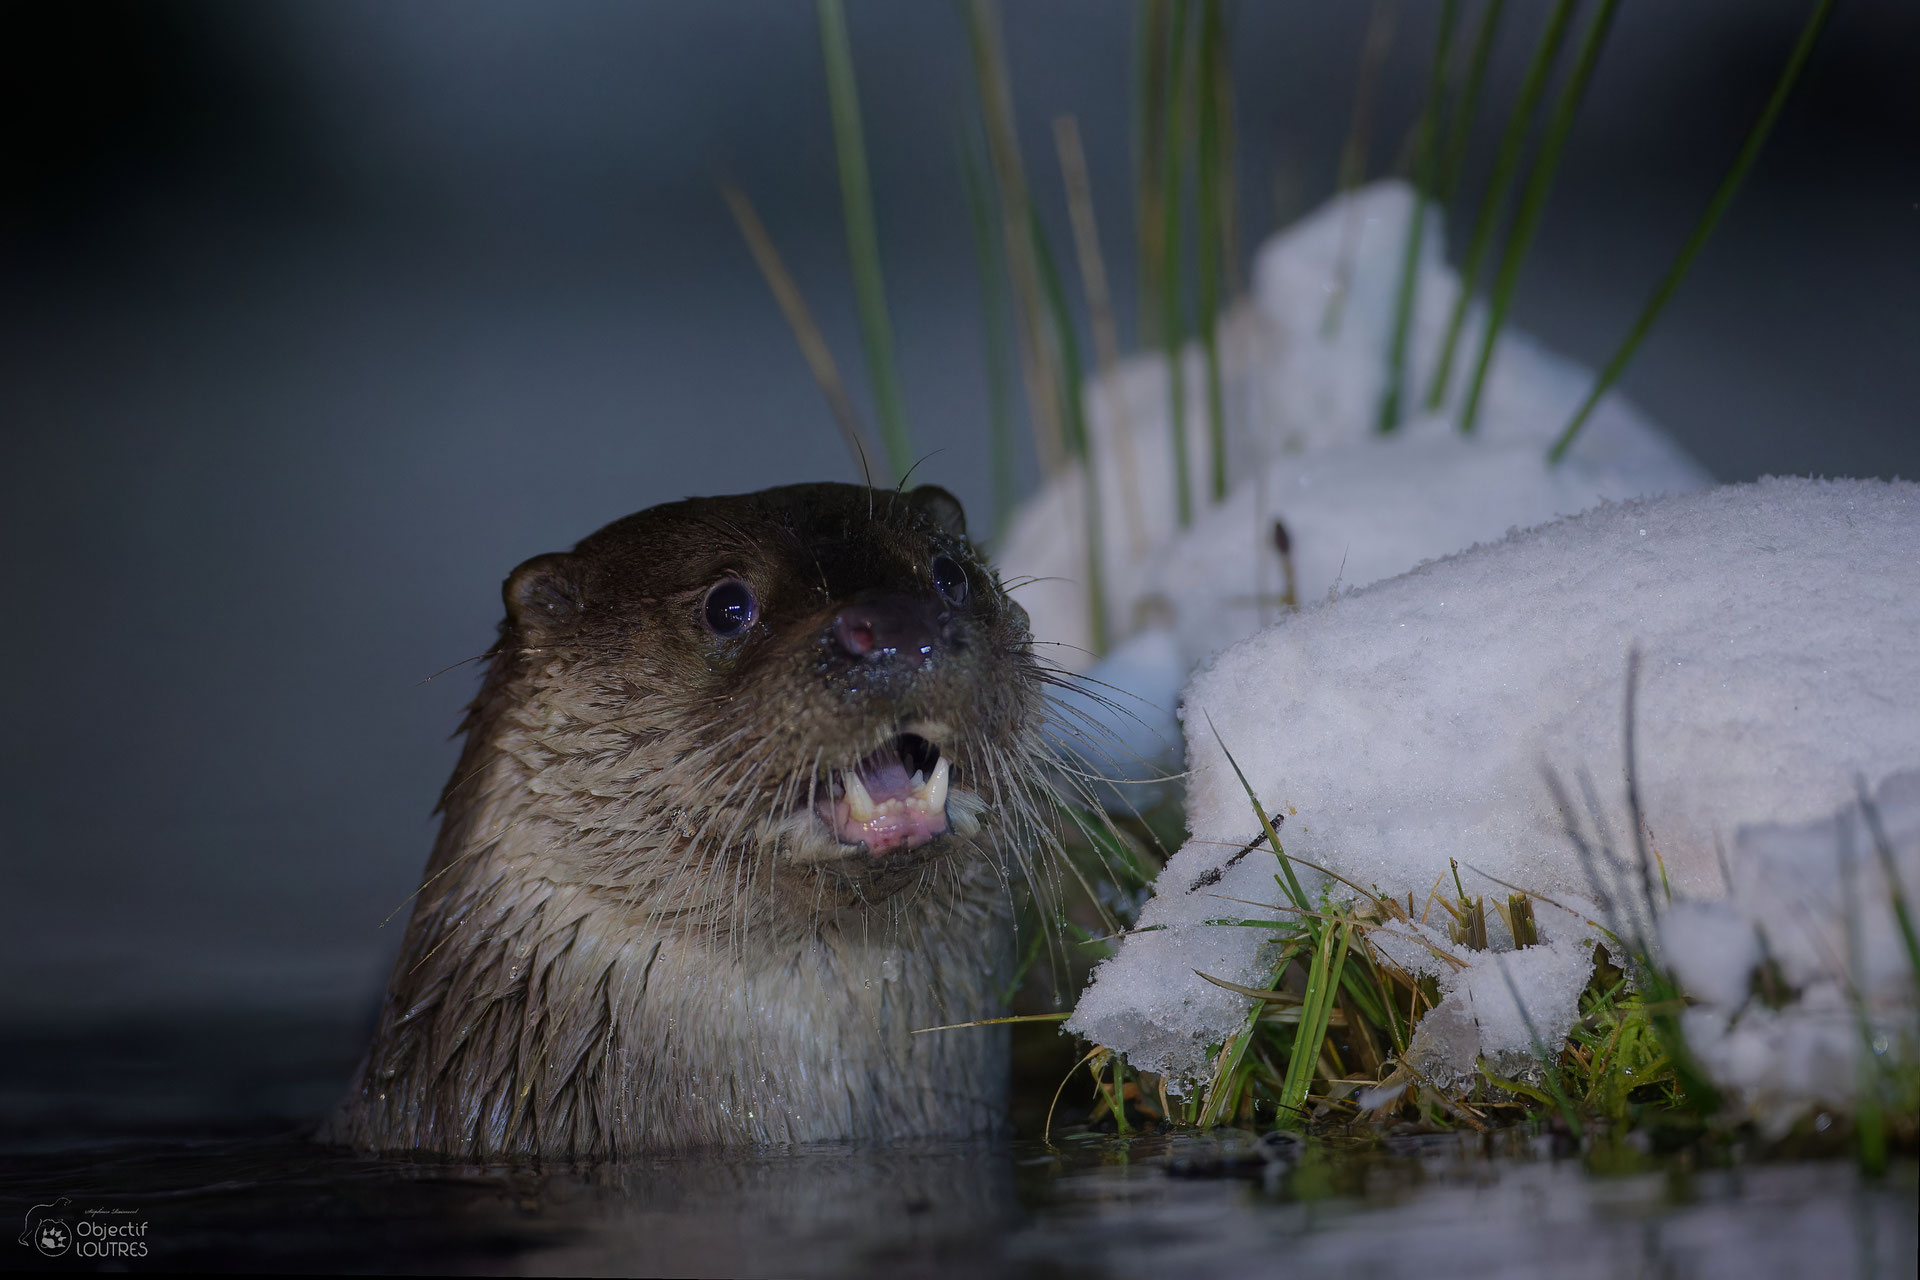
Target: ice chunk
1506 1005
1809 920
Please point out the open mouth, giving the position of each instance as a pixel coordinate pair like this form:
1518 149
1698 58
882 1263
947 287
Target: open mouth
893 800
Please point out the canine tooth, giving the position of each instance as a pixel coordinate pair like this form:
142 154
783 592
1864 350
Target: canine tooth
859 802
937 786
917 781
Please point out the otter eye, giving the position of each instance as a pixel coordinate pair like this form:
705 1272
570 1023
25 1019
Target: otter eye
949 579
729 608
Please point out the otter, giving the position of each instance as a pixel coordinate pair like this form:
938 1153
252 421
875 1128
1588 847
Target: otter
741 798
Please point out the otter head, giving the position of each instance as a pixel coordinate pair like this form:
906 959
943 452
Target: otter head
761 706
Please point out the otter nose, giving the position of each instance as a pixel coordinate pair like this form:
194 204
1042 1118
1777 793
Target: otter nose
888 626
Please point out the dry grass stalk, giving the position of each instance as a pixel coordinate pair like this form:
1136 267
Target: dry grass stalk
1353 156
813 344
1106 335
1037 362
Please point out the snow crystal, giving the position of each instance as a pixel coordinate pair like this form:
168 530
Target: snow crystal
1410 722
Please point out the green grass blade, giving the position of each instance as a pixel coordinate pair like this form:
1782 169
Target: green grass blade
1460 121
1223 1093
1424 188
863 242
1323 979
1053 289
1018 978
1073 413
1883 849
1546 1057
1212 166
1172 309
1506 168
990 262
1220 74
1119 862
1869 1120
1662 996
1037 367
1362 985
1722 197
1106 334
1301 1059
1230 1075
1533 201
996 1022
1292 883
1353 156
1149 108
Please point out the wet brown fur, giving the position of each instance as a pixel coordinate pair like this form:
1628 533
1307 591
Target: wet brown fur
626 939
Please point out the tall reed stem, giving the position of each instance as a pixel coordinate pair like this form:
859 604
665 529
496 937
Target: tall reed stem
813 345
1722 197
1506 168
1149 105
1010 181
863 244
1214 197
1460 121
1428 150
1533 201
1172 303
990 263
1072 384
1353 158
1106 333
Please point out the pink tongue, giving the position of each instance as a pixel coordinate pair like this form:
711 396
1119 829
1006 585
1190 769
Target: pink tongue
884 834
886 780
909 828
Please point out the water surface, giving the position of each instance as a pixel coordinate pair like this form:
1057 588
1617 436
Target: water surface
199 1132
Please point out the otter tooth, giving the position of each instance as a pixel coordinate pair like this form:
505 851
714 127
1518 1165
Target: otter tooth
936 798
859 802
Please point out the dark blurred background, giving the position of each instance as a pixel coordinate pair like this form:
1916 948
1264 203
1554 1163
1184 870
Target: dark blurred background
318 317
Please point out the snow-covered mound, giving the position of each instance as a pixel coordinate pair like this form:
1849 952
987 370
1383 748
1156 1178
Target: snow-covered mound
1411 722
1302 401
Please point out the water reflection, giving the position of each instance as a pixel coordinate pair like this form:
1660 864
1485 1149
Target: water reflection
826 1210
203 1139
1438 1207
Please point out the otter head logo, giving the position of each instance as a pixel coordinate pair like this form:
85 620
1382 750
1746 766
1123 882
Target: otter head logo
47 1232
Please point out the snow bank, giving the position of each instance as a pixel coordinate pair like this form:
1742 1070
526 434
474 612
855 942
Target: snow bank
1408 723
1302 447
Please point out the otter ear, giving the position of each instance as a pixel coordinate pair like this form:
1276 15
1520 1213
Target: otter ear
943 507
543 597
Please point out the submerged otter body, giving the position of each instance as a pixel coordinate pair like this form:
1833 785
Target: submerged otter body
740 799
